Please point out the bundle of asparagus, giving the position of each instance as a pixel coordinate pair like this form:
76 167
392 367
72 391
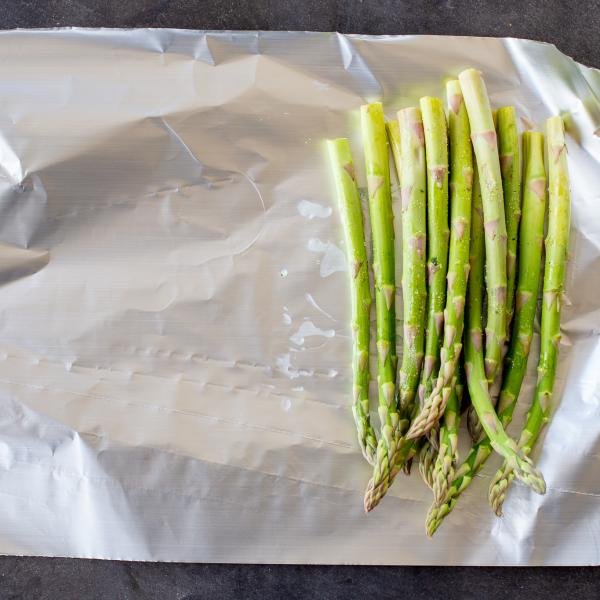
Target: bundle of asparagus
473 210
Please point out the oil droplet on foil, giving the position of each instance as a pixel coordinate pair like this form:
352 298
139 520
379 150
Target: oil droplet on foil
310 210
286 404
283 273
333 258
313 303
287 320
308 329
283 364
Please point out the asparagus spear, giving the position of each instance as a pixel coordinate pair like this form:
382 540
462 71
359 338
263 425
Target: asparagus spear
461 185
349 202
530 256
488 163
505 124
473 424
414 293
510 159
436 153
380 208
443 469
427 460
393 131
510 165
557 245
530 259
414 286
474 367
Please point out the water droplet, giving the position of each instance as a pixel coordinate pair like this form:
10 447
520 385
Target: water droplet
333 258
283 364
313 303
283 273
286 404
308 329
310 210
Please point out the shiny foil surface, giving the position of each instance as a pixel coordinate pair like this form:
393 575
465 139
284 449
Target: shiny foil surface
174 302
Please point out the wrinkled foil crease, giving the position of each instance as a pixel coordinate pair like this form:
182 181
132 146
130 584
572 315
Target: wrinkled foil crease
174 339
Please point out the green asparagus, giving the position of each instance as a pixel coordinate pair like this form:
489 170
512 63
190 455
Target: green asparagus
414 292
393 131
427 460
530 260
474 367
443 470
461 185
380 208
436 153
510 165
352 220
414 225
557 246
530 255
488 163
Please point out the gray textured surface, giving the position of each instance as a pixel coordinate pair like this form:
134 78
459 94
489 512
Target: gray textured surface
47 579
573 28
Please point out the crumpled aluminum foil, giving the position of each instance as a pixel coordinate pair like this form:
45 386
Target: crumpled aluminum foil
174 339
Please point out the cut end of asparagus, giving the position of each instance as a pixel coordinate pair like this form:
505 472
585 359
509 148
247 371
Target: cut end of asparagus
411 119
454 94
555 131
372 108
473 88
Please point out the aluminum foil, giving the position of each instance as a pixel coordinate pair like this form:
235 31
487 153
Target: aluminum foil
174 339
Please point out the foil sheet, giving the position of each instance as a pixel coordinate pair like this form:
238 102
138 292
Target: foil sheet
174 339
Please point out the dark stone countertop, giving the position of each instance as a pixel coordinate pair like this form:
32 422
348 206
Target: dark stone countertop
573 27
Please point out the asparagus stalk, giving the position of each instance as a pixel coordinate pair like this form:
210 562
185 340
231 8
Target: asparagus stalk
474 425
488 163
443 470
530 256
380 208
474 366
414 225
510 165
505 124
393 131
557 245
427 461
350 209
414 293
436 153
461 186
530 260
510 159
